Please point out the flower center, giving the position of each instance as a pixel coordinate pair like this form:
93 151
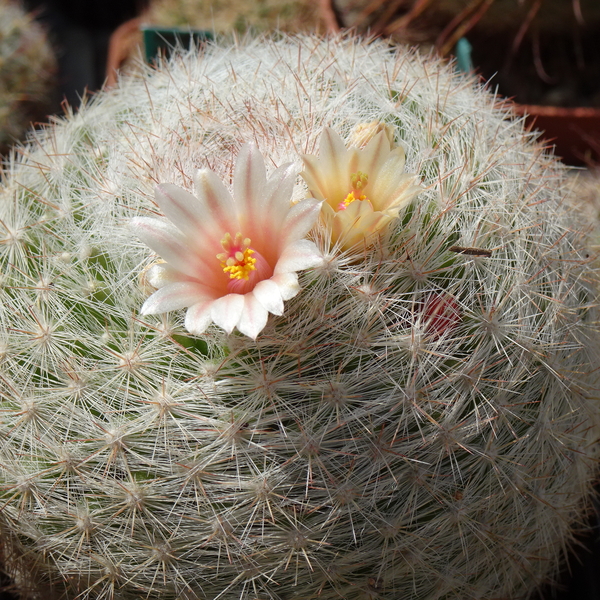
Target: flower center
358 181
237 259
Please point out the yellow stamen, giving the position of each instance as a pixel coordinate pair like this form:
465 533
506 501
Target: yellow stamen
358 181
237 259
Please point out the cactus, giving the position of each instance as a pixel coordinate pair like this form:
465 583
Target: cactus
285 15
585 197
27 67
420 422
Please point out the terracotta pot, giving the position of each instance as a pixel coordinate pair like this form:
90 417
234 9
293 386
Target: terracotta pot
574 132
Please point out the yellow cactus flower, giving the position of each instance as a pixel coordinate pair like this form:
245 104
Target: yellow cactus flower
364 189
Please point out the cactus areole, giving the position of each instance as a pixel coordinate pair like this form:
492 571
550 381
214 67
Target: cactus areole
293 319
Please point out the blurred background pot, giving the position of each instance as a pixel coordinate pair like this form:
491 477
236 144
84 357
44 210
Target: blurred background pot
574 132
544 54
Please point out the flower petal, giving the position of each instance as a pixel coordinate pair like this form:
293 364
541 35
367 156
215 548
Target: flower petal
287 283
367 228
174 296
330 172
158 275
182 209
218 203
333 154
345 220
375 154
279 191
249 184
198 317
167 242
300 255
359 222
393 188
299 220
313 176
227 310
254 317
267 292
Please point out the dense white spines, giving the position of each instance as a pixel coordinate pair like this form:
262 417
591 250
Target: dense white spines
420 423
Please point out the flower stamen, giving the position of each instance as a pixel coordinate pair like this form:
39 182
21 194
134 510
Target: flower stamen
358 181
237 259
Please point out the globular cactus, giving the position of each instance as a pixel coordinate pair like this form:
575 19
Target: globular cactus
585 197
27 67
420 422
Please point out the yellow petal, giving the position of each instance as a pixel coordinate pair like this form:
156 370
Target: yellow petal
358 224
375 154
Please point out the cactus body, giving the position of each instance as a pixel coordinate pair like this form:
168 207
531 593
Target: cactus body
421 422
27 67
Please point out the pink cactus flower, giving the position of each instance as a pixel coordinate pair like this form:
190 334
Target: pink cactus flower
230 260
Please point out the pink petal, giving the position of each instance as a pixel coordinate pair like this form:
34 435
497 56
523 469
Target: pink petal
218 203
160 274
227 310
183 209
174 296
299 221
254 317
249 184
267 292
279 192
198 317
287 284
302 254
167 242
212 280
